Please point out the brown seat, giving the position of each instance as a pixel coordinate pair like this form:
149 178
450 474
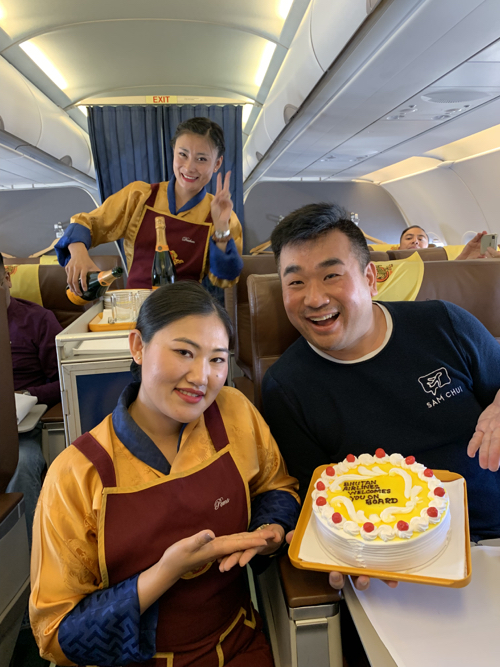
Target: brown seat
427 254
14 550
379 256
473 284
52 278
236 301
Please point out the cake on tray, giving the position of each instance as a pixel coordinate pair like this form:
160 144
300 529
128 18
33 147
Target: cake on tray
382 512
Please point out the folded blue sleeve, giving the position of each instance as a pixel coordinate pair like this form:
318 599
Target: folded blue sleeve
74 233
225 265
275 507
106 628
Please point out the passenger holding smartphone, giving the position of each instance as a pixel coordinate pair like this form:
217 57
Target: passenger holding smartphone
144 524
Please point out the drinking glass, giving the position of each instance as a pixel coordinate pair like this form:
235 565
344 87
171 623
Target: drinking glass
123 306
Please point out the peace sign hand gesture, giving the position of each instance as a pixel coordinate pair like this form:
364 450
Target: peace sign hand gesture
222 205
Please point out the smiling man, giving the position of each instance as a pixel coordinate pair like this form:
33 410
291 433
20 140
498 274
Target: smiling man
419 378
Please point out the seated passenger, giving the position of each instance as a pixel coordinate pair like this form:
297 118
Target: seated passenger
348 383
413 237
134 516
32 331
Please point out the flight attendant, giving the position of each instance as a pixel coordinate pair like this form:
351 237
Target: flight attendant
144 524
203 232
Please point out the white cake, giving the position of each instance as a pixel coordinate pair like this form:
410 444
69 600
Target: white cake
381 512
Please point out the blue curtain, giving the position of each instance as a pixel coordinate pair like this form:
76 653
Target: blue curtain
132 143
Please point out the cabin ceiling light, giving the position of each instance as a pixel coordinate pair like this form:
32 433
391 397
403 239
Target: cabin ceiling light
247 110
264 63
284 8
40 59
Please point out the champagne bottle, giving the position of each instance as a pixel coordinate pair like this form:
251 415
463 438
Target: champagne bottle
97 285
163 270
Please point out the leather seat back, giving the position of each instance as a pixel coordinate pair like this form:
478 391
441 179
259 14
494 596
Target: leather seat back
427 254
238 308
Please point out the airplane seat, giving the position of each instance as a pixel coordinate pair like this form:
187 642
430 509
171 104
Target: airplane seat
427 254
473 284
236 302
301 609
52 284
379 256
51 291
14 550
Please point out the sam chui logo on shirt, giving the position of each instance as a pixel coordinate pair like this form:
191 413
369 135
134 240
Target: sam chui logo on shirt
432 382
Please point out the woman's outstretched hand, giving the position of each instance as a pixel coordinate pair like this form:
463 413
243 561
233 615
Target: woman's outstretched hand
78 267
190 554
274 535
222 204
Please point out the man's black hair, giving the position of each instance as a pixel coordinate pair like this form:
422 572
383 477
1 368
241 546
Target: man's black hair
412 227
313 221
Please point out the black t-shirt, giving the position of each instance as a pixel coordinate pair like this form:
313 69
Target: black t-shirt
420 395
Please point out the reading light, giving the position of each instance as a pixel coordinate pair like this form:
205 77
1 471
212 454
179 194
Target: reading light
40 59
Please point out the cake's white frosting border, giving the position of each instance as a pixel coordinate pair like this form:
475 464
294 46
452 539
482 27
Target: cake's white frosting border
349 541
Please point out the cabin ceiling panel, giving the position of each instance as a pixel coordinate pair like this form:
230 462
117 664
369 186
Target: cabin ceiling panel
477 120
98 58
22 22
381 72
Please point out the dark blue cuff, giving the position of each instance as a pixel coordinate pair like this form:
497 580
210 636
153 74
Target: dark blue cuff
74 233
225 265
275 507
106 628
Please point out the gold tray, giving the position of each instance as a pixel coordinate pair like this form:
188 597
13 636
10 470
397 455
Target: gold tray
97 325
294 550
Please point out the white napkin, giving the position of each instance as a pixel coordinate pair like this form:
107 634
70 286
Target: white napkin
450 564
24 404
430 625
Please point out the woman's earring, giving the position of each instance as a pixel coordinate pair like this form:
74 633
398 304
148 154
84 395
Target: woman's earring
139 358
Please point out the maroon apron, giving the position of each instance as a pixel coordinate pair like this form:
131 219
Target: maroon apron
206 619
187 241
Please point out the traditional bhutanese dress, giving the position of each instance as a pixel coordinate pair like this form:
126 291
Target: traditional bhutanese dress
130 215
111 505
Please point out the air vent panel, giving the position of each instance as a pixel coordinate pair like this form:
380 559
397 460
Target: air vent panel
453 96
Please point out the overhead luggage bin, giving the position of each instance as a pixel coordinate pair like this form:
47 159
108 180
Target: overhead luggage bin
325 30
333 24
297 77
18 106
256 146
61 136
26 113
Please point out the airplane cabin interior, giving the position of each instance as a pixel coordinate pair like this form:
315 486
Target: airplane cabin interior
390 108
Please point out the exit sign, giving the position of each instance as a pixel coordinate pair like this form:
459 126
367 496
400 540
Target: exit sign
162 99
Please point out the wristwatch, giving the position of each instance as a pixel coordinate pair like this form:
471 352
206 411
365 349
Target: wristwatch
221 236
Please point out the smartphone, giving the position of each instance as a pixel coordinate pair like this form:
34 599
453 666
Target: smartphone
489 241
